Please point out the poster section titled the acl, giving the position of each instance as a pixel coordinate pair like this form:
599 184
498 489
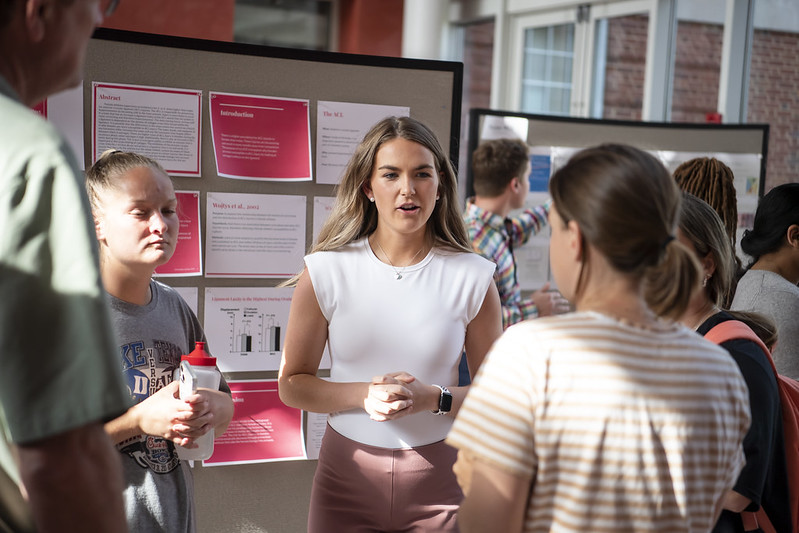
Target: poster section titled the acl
340 126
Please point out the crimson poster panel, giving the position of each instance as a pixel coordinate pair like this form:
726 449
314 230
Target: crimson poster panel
258 137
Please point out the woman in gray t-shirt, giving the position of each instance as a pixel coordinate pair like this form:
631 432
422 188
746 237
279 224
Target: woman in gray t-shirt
769 285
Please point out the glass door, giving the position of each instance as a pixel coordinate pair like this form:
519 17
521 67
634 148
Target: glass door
560 62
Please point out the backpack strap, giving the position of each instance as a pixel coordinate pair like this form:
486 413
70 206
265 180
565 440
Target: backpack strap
735 329
757 522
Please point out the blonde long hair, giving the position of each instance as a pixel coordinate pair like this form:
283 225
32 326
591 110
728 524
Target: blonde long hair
353 216
704 229
105 174
109 167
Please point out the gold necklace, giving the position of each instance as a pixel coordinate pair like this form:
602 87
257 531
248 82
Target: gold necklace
402 269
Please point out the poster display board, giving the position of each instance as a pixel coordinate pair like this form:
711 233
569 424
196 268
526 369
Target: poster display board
554 139
255 139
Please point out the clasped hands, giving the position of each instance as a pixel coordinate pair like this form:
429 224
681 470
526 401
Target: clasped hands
165 415
394 395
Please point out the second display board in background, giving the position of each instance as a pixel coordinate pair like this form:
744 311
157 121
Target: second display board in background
742 147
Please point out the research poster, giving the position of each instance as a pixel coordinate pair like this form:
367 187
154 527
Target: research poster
316 423
340 127
65 111
322 207
190 296
260 137
532 258
498 127
254 235
159 122
540 170
246 326
262 430
187 259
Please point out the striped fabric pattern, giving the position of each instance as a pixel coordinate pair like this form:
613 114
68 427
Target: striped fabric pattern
489 238
618 428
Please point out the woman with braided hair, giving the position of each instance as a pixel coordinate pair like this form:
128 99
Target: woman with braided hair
710 180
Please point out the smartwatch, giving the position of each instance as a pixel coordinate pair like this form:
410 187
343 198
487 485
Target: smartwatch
444 401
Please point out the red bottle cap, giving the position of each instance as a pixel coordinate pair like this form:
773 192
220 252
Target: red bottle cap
199 357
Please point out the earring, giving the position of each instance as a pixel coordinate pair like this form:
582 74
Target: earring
372 199
707 277
437 197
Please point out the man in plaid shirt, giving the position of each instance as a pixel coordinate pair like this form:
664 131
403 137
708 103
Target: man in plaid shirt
501 168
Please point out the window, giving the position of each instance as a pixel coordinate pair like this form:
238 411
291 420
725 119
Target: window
306 24
547 71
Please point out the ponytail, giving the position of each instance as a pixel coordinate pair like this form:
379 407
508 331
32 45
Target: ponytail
670 284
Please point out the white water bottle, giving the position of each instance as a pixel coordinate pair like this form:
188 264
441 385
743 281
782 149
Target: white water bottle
198 370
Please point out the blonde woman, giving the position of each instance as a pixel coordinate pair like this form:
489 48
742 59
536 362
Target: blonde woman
395 292
763 480
136 223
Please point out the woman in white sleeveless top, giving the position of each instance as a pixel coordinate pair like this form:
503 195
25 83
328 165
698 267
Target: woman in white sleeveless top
394 291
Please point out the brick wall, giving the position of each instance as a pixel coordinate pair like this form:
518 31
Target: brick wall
362 27
697 68
478 53
624 72
774 100
773 83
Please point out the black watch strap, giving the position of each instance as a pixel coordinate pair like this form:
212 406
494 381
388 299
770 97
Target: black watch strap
444 401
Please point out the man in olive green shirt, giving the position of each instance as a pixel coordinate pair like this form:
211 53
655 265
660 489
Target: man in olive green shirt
59 375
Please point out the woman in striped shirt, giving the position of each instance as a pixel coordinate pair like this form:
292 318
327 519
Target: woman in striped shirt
607 419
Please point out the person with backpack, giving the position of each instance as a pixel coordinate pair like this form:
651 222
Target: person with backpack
763 482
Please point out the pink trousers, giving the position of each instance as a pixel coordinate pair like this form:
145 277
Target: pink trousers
366 489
